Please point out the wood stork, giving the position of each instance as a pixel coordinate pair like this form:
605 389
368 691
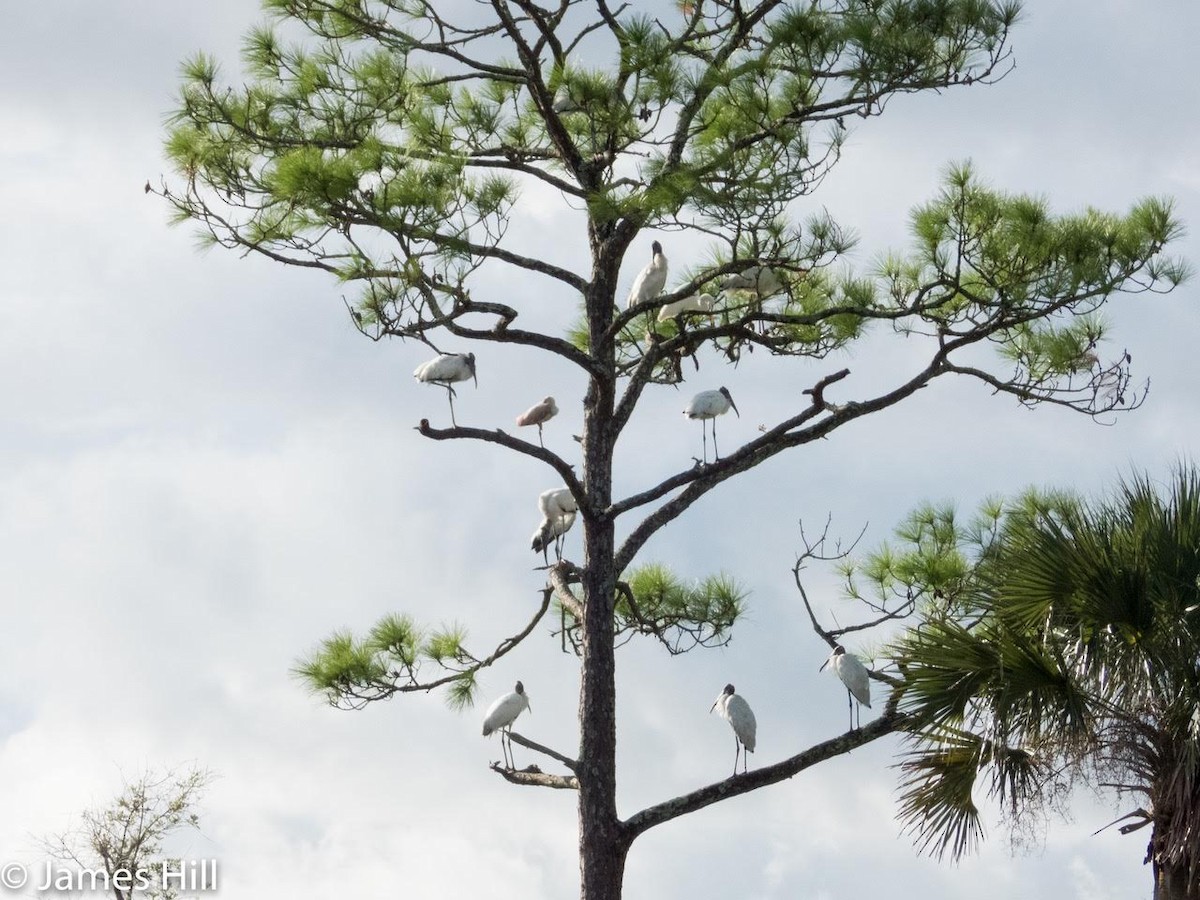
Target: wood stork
757 283
650 280
737 712
553 528
500 716
690 303
854 676
760 280
538 414
556 502
564 102
446 370
708 405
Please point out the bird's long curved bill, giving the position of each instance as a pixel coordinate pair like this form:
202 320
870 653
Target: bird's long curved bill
823 665
735 409
714 706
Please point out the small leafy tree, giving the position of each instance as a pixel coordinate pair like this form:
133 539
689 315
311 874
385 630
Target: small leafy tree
386 143
124 840
1061 644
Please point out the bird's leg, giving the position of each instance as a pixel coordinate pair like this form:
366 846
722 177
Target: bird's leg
561 546
704 439
450 395
540 442
716 452
737 749
850 702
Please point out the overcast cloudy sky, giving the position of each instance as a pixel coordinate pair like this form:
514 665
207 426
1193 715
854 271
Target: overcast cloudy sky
204 470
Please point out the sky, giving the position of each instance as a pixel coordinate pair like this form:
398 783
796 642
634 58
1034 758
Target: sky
205 470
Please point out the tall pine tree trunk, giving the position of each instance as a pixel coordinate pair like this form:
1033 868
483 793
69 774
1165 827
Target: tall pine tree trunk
602 843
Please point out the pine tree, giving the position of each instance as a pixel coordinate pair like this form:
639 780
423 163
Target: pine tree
387 144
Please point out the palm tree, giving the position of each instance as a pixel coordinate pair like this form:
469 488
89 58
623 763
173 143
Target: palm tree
1063 643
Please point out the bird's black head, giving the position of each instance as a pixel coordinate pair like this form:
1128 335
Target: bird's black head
839 650
520 688
656 248
728 689
725 393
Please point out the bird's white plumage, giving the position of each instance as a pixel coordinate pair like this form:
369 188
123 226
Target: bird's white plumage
563 103
690 303
556 502
710 404
853 674
503 712
538 413
552 528
558 509
760 280
705 406
651 280
736 711
446 369
740 716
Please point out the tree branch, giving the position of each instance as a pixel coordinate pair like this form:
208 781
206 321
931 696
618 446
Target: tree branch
891 721
562 589
553 754
563 468
535 777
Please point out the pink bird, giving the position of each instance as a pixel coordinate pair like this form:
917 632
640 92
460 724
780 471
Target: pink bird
538 415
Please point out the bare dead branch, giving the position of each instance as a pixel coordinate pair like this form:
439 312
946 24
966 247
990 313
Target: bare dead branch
533 776
546 751
562 588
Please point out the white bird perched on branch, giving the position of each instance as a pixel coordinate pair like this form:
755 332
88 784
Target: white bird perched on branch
564 102
854 676
553 528
760 280
556 502
708 405
446 370
737 712
650 280
538 415
690 303
501 714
